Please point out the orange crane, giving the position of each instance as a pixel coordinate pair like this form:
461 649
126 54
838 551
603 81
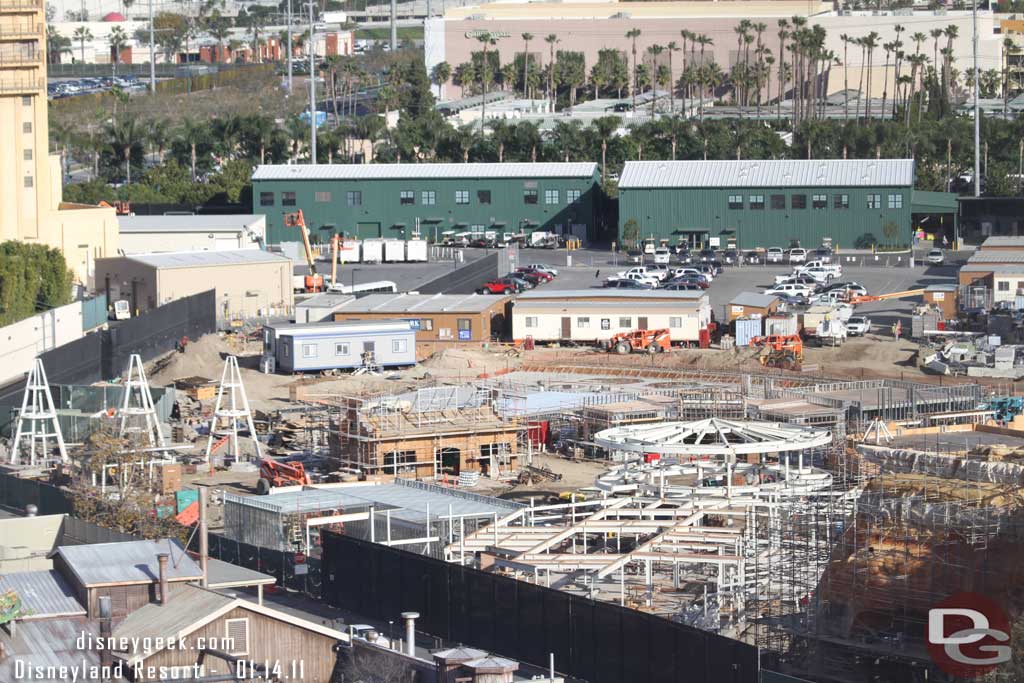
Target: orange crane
785 351
883 297
314 283
335 246
274 474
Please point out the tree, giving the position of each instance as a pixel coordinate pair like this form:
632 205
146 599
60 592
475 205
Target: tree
440 74
633 34
192 134
33 277
125 141
572 74
117 40
654 51
783 34
551 40
83 35
527 37
465 75
630 232
485 74
218 28
56 45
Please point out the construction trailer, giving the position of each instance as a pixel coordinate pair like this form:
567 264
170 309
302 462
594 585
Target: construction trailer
315 347
436 432
436 317
594 316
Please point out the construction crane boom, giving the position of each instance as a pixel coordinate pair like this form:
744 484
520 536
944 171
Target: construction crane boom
314 282
883 297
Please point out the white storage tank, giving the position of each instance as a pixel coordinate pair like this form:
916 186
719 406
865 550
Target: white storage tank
416 250
373 250
394 251
348 251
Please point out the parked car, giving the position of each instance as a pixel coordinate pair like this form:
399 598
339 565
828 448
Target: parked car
698 280
682 247
936 257
792 299
797 255
540 275
819 274
730 257
797 279
834 268
634 256
716 266
823 254
540 267
628 284
858 325
684 257
707 255
791 288
530 281
775 255
483 243
652 270
854 288
649 278
707 270
662 255
502 285
754 258
684 287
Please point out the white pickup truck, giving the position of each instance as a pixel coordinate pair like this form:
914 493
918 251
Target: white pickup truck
658 273
648 278
834 269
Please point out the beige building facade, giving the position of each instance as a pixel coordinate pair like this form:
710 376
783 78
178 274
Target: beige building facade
589 27
249 283
30 178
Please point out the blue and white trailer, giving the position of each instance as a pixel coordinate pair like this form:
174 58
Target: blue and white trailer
315 347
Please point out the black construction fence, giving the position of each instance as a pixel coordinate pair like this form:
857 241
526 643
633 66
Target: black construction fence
597 641
104 354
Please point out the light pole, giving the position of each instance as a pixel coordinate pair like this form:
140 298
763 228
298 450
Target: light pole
289 34
312 89
152 52
977 117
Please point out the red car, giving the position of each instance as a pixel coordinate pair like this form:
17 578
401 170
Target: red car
500 286
539 274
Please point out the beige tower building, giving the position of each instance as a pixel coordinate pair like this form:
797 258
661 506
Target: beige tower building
30 178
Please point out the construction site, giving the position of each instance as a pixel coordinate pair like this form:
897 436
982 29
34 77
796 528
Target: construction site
816 518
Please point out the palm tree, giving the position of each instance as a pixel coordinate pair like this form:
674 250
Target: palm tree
686 36
56 46
440 74
551 40
527 37
159 136
846 75
82 34
670 48
936 33
255 28
219 31
654 51
633 34
870 43
783 34
193 133
889 48
1007 46
485 75
605 127
123 135
704 41
951 32
464 75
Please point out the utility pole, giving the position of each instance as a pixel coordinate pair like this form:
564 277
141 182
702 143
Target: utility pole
312 88
394 25
289 32
977 114
152 52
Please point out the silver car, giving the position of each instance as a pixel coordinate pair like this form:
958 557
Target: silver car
936 257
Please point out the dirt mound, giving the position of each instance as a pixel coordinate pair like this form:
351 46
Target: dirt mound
203 357
469 361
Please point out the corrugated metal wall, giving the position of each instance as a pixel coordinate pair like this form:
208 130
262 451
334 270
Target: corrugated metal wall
781 324
671 213
747 329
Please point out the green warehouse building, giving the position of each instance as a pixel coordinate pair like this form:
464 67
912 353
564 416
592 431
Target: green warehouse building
398 200
779 203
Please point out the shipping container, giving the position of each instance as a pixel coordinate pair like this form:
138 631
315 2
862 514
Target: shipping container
373 250
747 329
785 325
416 251
394 251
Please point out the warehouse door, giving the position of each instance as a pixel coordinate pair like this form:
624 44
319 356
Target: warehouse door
364 230
567 328
641 322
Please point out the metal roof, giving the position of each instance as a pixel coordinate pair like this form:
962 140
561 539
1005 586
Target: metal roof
420 303
1003 268
581 169
1004 241
204 259
632 295
713 436
330 328
47 643
997 256
42 594
220 574
127 562
324 300
186 606
619 308
753 299
761 173
408 501
211 223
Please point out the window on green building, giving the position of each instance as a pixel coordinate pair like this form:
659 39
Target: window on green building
462 196
819 201
572 196
407 197
321 197
895 201
551 196
778 202
841 201
735 201
354 198
266 198
756 202
483 196
428 198
798 201
287 199
529 196
874 201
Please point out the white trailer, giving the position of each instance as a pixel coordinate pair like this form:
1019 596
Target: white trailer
416 251
373 250
348 251
394 250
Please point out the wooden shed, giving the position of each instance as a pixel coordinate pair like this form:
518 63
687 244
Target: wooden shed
435 317
748 304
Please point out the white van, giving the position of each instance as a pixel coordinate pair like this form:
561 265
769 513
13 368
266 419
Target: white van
662 255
